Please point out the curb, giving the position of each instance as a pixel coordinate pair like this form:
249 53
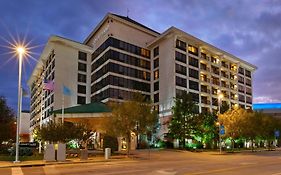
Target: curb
56 163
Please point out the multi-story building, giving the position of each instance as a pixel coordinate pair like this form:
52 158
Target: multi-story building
122 56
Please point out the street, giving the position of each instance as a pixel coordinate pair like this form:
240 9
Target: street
167 162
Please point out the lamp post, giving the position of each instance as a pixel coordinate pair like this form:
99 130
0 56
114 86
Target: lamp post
220 96
20 51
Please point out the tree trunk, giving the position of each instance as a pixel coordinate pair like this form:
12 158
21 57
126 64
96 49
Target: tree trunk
252 145
183 143
128 144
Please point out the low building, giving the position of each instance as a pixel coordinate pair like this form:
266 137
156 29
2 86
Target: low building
273 109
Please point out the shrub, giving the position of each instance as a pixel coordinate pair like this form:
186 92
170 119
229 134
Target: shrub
22 151
110 142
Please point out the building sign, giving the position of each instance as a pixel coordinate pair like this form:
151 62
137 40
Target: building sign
101 34
28 144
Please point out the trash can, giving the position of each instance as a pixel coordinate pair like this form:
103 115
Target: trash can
83 154
107 153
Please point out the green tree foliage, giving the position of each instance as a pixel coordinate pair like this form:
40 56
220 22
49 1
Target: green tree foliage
185 121
208 130
7 122
134 116
58 132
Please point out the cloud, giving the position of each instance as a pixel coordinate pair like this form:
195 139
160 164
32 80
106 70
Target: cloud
248 29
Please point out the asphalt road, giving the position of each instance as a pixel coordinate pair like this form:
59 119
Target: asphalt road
168 163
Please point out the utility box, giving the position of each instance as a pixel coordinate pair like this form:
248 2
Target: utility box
61 152
49 153
107 153
83 154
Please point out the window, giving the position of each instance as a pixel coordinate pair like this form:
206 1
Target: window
156 63
241 70
249 100
193 85
81 89
193 61
241 98
156 51
248 82
195 97
180 69
156 98
156 86
240 79
248 73
180 81
193 73
179 93
241 88
248 91
156 75
82 56
192 50
181 45
82 67
180 57
82 78
81 100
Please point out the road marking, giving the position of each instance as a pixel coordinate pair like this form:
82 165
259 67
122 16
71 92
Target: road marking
166 171
17 171
50 170
276 173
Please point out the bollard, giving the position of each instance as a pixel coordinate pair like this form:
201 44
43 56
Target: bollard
107 153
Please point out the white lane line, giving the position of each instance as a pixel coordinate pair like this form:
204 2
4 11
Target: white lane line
17 171
276 173
50 170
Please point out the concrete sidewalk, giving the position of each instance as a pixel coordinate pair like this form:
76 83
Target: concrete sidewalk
7 164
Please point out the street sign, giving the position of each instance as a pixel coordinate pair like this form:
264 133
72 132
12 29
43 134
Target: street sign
277 133
28 144
222 130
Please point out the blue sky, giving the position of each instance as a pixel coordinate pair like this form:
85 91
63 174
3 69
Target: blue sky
248 29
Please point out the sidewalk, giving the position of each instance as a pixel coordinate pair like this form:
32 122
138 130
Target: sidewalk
9 164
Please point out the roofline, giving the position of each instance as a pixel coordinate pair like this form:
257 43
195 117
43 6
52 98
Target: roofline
53 39
111 15
212 47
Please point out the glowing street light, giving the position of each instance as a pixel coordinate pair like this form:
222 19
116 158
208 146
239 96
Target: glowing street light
20 51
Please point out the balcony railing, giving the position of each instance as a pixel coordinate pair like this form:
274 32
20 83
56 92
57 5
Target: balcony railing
205 90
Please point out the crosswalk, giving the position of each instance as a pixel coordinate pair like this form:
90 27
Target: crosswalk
42 170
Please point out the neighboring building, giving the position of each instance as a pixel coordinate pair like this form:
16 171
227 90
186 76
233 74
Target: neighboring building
273 109
122 56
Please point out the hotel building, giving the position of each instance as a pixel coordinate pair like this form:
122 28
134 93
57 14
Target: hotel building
122 56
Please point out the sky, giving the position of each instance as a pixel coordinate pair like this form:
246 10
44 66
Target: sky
249 29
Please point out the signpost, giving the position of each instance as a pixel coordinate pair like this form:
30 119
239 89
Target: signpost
221 132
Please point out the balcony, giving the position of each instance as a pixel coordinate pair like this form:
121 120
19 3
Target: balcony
205 57
224 65
207 102
216 82
216 72
205 90
205 79
225 85
225 75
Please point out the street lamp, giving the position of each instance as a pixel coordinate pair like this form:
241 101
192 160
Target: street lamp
20 52
220 97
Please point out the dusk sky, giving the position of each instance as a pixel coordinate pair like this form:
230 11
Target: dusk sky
249 29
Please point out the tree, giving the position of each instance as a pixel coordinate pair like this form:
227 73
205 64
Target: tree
185 120
133 116
224 107
7 122
208 130
233 123
58 132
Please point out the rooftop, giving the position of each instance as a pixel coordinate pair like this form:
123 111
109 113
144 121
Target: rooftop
95 107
